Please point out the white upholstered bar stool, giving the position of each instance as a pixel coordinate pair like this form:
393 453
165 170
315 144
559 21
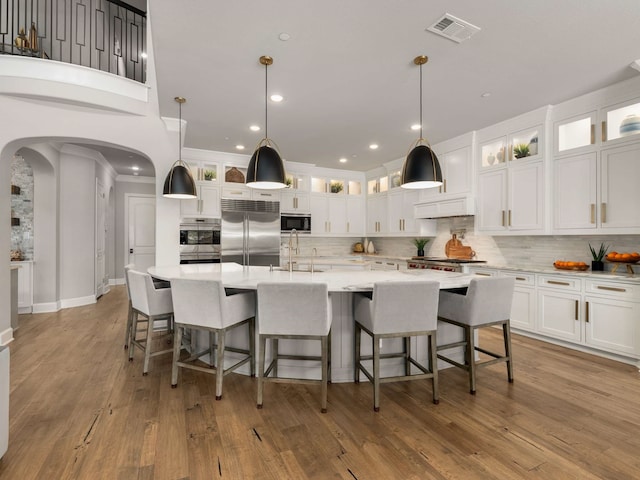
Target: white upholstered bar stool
487 303
293 311
127 333
397 310
153 304
204 305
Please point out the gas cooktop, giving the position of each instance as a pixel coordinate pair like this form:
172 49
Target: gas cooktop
445 260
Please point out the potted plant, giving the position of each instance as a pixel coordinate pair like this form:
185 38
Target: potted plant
597 265
420 243
521 150
209 175
336 187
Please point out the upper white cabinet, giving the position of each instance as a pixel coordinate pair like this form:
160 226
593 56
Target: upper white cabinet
621 121
457 173
377 214
206 205
575 133
400 204
525 144
337 203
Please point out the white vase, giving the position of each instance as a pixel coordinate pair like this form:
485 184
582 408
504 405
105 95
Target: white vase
371 248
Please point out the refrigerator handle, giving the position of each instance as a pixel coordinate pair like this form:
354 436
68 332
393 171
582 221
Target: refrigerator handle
246 240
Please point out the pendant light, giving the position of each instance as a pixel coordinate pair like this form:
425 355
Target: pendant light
266 169
421 168
179 182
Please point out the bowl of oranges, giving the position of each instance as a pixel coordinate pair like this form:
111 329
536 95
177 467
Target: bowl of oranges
623 257
569 265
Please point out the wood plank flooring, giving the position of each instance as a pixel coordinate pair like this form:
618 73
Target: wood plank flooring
80 410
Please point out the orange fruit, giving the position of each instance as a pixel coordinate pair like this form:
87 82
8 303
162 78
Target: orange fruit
625 257
571 264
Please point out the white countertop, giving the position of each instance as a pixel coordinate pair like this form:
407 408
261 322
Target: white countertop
233 275
621 273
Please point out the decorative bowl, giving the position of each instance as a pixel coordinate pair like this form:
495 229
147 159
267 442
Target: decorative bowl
579 266
630 125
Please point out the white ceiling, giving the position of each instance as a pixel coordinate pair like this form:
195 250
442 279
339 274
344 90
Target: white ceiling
347 71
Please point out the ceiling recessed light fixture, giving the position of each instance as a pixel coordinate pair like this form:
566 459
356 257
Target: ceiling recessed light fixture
343 160
266 169
179 182
276 97
421 168
416 126
135 168
254 128
284 36
239 147
373 146
486 94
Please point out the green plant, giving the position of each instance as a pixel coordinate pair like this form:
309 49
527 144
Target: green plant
288 181
420 243
336 187
599 255
521 150
209 174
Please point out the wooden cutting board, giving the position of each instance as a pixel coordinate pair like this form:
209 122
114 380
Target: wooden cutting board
453 242
461 252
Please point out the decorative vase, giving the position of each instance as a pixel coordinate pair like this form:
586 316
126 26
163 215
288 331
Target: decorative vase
630 125
371 248
420 253
491 159
597 266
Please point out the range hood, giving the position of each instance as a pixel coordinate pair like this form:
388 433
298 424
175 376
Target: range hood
463 205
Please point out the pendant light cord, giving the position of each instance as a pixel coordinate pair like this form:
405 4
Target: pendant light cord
421 138
266 122
180 128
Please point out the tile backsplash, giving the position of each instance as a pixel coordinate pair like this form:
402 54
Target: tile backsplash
22 207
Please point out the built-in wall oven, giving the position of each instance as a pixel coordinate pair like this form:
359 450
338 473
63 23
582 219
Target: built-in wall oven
200 240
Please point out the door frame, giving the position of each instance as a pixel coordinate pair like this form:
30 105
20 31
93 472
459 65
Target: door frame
127 198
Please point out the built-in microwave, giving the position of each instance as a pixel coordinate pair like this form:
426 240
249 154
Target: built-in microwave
301 222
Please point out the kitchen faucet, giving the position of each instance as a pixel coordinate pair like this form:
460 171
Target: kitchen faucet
293 230
314 252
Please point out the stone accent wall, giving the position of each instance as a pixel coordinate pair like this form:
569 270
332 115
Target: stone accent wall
22 207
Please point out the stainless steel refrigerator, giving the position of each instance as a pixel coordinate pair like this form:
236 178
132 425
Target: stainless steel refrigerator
250 232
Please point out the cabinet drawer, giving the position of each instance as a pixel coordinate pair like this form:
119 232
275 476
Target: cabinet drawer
482 272
236 192
521 277
613 289
557 282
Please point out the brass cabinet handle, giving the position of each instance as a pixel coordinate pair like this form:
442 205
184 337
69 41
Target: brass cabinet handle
604 130
400 224
611 289
555 282
329 227
586 311
444 184
510 152
576 314
593 134
522 279
509 217
603 212
483 274
348 227
593 213
503 218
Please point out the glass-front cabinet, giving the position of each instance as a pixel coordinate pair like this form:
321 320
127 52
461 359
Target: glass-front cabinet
524 144
378 185
577 132
621 121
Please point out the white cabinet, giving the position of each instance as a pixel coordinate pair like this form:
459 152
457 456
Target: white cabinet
25 286
400 205
336 214
206 205
377 214
592 196
574 134
512 200
559 314
456 166
523 309
294 202
526 144
265 195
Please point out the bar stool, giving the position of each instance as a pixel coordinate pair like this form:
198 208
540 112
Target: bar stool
486 303
153 304
294 311
203 305
127 333
397 309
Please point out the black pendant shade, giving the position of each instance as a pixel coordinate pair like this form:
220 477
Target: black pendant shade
266 169
421 169
179 182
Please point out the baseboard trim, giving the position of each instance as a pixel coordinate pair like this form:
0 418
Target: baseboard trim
77 302
47 307
6 337
116 281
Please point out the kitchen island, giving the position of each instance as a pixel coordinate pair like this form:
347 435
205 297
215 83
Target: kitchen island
343 284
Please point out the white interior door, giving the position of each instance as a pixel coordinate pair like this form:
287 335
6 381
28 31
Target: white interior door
140 237
101 233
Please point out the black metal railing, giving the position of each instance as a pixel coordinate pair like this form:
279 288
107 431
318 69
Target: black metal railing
107 35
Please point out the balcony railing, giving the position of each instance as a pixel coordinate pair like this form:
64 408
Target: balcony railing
107 35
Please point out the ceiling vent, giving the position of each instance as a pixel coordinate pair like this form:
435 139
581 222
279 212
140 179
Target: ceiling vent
453 28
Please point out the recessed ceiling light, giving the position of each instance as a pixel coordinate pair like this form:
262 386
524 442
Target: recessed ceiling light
373 146
239 147
415 127
343 160
276 97
135 168
284 36
486 94
254 128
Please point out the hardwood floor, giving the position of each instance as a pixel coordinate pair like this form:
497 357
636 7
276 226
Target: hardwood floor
80 410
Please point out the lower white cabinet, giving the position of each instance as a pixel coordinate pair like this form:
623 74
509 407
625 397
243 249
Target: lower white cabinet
597 313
